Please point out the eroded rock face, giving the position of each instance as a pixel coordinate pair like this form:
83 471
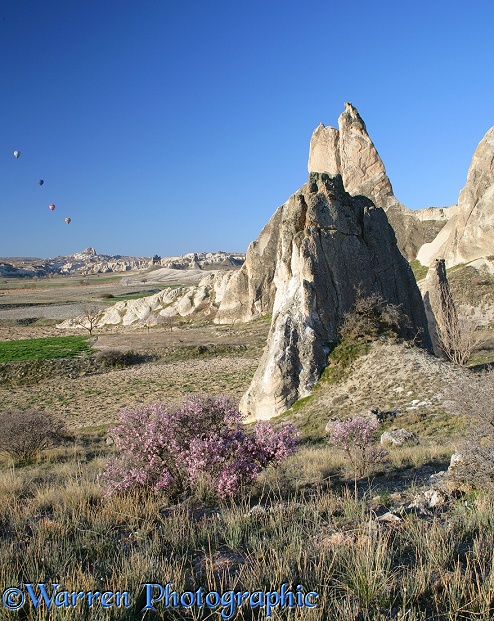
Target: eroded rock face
251 291
468 235
328 245
350 152
205 297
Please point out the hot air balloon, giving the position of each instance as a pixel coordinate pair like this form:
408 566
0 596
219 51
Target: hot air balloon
68 220
17 153
40 182
51 207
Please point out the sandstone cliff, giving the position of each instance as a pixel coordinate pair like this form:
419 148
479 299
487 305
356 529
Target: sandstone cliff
328 244
350 152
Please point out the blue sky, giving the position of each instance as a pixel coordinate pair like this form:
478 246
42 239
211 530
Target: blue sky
166 127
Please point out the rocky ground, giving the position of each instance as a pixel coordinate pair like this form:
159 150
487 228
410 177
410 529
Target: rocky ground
391 377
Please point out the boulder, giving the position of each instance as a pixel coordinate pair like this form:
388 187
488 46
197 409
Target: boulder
400 437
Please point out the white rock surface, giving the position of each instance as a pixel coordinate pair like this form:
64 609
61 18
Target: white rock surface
469 233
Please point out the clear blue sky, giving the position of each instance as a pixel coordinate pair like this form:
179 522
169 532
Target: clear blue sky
168 127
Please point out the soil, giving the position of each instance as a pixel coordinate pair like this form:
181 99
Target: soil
96 399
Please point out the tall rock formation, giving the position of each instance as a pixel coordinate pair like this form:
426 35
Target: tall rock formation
350 152
469 233
328 244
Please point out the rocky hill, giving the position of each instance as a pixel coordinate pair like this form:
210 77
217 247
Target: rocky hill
90 262
81 263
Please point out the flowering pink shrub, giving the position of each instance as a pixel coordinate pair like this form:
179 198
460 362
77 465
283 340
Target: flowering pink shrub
355 436
169 449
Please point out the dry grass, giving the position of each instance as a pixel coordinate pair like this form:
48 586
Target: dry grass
56 527
390 376
96 399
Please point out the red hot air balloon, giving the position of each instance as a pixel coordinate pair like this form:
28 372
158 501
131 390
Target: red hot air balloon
51 207
68 220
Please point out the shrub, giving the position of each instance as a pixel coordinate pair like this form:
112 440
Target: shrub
23 434
90 317
114 358
171 449
458 335
474 397
371 316
355 437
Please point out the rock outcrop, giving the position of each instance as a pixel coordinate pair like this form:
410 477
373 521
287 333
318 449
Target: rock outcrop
399 437
90 262
468 234
350 152
328 245
204 261
161 307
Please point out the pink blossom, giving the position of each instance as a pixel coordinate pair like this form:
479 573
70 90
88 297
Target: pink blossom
167 449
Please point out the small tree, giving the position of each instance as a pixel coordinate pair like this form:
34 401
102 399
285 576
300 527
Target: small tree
458 336
171 449
89 318
355 437
24 434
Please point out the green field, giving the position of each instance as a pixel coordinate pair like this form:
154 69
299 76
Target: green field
43 349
